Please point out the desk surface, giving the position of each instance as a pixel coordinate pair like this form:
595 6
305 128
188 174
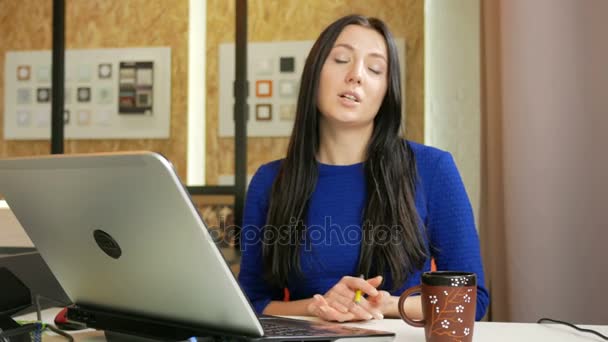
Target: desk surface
484 331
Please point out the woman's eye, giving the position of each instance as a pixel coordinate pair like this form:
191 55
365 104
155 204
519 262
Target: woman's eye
341 60
376 71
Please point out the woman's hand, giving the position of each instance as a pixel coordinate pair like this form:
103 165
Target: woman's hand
338 304
383 302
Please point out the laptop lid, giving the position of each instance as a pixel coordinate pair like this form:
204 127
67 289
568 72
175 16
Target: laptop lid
120 232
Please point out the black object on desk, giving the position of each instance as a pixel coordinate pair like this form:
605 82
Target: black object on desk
14 297
28 266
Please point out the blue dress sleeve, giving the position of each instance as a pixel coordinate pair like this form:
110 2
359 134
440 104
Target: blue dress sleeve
259 292
451 227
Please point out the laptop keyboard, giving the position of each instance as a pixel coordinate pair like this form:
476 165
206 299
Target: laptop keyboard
279 327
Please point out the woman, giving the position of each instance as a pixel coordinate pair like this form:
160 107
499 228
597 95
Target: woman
352 197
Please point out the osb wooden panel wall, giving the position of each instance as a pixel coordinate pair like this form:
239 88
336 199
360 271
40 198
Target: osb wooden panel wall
304 20
26 25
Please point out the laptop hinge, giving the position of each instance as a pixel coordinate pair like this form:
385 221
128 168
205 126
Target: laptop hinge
126 327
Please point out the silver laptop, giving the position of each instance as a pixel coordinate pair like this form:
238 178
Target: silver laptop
120 233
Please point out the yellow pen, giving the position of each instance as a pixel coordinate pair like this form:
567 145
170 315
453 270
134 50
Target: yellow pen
358 292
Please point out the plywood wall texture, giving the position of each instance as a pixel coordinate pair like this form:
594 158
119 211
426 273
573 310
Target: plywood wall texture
27 25
24 25
304 20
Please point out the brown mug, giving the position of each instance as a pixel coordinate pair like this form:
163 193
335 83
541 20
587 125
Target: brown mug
448 305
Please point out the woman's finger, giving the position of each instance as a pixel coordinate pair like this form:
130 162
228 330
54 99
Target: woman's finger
354 283
362 309
367 310
342 312
335 315
361 312
339 301
328 313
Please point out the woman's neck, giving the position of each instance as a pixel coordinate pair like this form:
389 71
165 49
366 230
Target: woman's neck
343 146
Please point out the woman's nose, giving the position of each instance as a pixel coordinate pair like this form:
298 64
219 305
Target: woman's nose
354 74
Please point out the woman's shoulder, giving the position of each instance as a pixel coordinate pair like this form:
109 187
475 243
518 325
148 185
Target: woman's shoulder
266 173
426 156
434 166
270 167
437 170
261 182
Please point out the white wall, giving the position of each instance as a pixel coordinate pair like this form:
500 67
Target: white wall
452 88
197 67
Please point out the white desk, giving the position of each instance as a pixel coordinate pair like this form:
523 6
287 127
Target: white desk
495 332
484 331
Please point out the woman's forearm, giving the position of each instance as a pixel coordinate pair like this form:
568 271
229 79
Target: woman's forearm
412 306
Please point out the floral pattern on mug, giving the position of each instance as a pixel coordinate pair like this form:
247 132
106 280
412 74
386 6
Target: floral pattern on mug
446 319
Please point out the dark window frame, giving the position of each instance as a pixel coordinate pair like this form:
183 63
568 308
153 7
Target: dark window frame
240 108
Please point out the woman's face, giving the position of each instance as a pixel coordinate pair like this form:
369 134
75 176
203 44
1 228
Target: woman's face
353 78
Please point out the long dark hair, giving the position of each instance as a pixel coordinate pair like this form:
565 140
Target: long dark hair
390 171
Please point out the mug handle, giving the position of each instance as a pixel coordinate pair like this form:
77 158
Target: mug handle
402 298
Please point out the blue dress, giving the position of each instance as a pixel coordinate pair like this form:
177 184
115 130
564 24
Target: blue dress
333 224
